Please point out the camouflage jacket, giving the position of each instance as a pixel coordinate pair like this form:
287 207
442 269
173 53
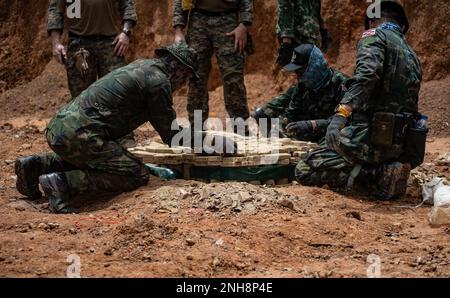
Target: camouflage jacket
56 9
305 104
245 12
123 100
387 76
300 20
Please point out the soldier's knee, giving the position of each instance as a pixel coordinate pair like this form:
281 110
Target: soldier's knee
302 172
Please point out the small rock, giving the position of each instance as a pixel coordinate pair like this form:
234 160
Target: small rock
108 252
42 226
91 250
52 226
190 242
287 203
147 257
219 242
26 146
73 231
216 261
354 214
9 161
189 257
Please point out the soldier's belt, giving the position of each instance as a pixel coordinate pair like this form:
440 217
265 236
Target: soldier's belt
90 37
215 14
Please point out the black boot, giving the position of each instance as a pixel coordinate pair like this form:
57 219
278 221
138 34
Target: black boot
28 169
392 181
57 191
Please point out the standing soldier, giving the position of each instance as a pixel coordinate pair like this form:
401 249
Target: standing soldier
95 47
220 27
299 22
375 131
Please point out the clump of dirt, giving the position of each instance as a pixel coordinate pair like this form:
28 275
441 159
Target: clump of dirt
224 197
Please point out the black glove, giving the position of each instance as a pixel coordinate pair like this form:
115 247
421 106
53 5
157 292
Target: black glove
306 130
258 114
327 41
299 129
333 131
285 54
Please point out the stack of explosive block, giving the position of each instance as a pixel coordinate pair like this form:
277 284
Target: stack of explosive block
252 152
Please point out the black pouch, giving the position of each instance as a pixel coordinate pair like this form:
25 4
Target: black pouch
383 128
414 149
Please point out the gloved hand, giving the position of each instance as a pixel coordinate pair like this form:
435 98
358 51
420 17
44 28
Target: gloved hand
285 53
333 131
326 40
299 128
259 114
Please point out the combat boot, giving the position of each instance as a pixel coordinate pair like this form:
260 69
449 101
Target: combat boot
28 169
392 181
57 191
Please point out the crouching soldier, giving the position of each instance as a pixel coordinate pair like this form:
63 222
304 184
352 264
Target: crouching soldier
87 158
375 135
305 107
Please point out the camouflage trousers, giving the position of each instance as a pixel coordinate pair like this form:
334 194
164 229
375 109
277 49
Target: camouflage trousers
101 60
356 159
92 163
207 35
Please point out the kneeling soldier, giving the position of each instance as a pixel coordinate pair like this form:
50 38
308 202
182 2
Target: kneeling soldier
84 134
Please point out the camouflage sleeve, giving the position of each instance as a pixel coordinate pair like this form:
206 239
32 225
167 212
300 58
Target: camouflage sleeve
55 19
245 11
128 11
179 16
285 21
161 111
369 70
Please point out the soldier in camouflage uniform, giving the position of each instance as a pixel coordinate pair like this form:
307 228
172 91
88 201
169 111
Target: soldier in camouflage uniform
87 158
305 107
387 80
95 47
220 27
300 22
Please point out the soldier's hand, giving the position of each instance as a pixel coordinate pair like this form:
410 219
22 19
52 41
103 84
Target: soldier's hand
240 38
179 35
333 132
59 53
299 128
122 41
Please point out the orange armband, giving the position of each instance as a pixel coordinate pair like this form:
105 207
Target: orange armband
344 110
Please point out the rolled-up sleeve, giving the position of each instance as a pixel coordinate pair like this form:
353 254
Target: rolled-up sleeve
246 11
128 11
55 19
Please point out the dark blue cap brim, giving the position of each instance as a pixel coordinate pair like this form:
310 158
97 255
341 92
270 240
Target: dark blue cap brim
291 67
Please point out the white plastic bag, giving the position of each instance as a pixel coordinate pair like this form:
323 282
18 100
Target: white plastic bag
442 196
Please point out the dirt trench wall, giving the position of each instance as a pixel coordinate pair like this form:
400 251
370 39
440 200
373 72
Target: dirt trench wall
25 49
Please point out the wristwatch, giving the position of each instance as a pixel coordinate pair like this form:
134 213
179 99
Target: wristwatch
127 32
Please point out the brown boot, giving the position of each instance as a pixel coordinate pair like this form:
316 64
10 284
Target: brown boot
392 181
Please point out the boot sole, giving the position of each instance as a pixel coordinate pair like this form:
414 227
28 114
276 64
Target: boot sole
21 184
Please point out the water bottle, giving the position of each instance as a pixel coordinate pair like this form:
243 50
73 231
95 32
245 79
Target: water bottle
422 123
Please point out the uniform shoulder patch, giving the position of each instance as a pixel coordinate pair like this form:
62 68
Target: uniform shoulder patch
370 32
